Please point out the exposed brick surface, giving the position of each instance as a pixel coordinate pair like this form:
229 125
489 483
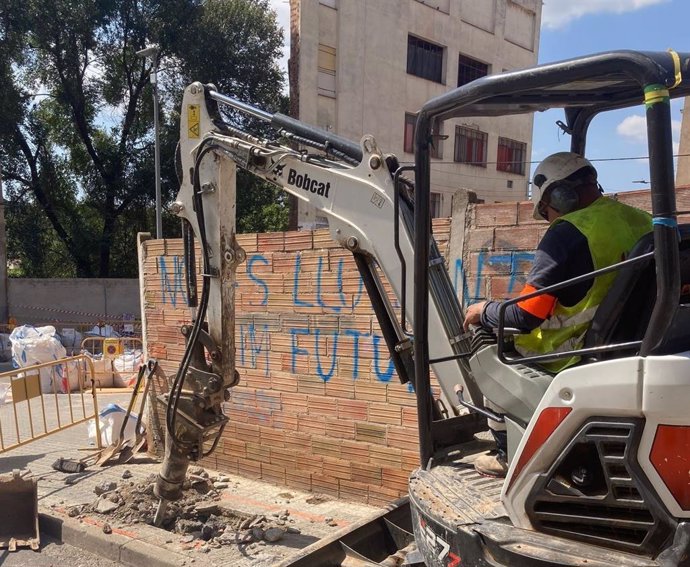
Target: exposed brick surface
496 214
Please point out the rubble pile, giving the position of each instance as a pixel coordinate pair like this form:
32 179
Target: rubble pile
198 517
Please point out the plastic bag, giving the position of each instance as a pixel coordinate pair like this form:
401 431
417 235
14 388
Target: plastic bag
71 340
5 347
111 418
36 345
102 330
126 368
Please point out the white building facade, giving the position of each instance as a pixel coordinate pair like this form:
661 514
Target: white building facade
367 66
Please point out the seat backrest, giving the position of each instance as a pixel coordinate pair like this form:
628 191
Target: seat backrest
624 314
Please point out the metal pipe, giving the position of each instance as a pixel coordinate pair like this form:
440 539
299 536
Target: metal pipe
241 106
294 126
422 226
666 236
157 150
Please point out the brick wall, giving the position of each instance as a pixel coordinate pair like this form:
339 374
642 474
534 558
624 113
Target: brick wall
319 406
499 244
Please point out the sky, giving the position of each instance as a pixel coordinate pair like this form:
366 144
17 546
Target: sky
571 28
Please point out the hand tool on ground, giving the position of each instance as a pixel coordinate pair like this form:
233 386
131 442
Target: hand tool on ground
117 444
129 450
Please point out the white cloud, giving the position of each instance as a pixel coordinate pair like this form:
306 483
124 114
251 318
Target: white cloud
559 13
634 128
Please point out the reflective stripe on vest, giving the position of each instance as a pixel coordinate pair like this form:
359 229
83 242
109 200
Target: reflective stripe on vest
611 229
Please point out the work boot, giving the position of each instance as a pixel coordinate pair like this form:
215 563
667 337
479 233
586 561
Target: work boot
495 463
492 464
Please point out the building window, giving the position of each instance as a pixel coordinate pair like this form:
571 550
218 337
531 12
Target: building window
410 121
511 156
470 146
435 205
326 75
424 59
408 140
470 69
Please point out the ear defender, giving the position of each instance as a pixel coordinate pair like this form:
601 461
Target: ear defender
564 199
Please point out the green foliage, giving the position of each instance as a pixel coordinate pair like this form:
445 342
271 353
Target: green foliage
261 207
76 135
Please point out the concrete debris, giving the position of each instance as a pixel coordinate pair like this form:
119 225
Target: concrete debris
199 517
74 511
206 508
105 506
105 486
317 499
271 535
183 526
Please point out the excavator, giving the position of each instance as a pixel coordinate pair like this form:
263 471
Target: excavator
599 454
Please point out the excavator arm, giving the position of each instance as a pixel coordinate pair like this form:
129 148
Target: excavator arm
368 204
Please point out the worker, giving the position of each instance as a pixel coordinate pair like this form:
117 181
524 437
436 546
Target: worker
587 232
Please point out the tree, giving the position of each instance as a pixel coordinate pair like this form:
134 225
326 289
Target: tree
76 140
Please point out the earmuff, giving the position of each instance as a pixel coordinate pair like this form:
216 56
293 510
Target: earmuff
564 198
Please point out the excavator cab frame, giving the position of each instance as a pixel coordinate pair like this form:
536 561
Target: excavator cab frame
584 87
544 499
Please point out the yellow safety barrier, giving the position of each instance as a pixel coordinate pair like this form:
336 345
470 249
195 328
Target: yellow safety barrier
29 412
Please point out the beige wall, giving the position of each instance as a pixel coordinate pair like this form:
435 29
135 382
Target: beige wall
374 90
33 300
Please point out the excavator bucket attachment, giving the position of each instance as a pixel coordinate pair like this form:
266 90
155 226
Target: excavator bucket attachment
20 495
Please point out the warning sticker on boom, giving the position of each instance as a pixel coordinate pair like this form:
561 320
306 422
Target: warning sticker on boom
193 120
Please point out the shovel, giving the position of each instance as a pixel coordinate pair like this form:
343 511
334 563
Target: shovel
129 451
117 445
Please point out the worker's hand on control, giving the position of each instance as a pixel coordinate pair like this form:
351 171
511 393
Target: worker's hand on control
473 314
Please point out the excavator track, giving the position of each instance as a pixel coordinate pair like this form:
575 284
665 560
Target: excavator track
385 540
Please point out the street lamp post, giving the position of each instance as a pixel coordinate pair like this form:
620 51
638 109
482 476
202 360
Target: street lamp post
152 52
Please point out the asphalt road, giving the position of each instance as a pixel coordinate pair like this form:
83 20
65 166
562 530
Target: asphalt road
53 554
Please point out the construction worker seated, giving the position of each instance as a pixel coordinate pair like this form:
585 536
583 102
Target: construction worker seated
587 232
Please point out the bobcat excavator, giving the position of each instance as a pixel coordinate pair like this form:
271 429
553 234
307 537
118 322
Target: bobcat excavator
599 454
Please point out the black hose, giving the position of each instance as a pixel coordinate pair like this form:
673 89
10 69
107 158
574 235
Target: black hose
178 382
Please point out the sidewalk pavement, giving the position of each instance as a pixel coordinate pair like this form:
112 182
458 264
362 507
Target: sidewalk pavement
141 544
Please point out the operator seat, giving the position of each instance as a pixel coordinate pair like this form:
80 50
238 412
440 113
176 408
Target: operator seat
625 312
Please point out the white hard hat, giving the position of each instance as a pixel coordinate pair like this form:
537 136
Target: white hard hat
556 167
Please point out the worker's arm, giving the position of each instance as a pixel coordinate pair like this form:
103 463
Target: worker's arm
563 253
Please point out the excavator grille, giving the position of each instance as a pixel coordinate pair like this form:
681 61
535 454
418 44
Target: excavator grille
596 492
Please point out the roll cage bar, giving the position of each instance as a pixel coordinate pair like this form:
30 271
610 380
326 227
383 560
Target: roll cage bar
583 87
